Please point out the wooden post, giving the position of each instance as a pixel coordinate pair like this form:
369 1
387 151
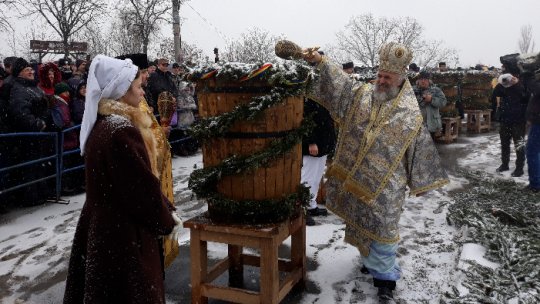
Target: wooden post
199 267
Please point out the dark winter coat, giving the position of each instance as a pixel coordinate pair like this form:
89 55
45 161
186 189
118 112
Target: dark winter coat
324 133
5 91
513 103
77 105
157 83
533 108
28 112
74 82
115 257
28 108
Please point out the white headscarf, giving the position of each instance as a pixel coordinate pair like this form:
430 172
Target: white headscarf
108 78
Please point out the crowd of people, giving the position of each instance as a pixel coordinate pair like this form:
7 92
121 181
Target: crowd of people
50 97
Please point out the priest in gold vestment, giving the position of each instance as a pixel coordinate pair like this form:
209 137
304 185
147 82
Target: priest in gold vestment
383 152
163 160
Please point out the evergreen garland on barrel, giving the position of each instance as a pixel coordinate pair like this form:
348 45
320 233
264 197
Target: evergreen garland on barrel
285 80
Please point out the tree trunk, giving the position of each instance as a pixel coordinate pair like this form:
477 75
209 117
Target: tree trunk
176 30
145 44
66 46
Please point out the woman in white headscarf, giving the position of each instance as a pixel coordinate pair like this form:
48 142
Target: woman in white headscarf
115 257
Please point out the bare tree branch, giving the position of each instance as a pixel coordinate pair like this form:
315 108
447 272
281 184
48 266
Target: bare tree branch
148 14
254 46
363 36
526 43
5 5
66 17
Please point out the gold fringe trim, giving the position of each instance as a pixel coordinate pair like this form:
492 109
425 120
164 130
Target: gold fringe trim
360 192
350 184
429 187
337 171
363 231
399 157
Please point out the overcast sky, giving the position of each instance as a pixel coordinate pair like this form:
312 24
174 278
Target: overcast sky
481 30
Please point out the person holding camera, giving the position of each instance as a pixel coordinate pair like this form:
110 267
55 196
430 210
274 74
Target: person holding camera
533 142
430 100
513 99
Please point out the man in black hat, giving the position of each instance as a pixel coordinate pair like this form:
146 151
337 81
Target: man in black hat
78 76
8 78
5 90
65 69
177 75
513 97
413 67
348 67
316 146
430 99
442 67
161 81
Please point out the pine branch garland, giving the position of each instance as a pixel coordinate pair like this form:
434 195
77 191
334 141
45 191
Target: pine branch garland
286 81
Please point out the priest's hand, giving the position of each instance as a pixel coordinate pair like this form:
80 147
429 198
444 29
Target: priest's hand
313 150
311 55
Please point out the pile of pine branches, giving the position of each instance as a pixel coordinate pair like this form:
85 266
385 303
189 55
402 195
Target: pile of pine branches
505 218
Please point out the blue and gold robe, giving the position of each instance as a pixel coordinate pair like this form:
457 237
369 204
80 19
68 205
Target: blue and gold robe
383 150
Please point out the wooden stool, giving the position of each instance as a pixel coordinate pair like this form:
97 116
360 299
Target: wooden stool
267 239
451 127
478 120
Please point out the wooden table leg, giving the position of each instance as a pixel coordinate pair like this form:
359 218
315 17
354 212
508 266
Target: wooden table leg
199 267
269 272
298 251
236 266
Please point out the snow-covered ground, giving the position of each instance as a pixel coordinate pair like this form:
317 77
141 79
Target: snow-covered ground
35 242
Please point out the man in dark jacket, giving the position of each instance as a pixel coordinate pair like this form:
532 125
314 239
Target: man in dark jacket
28 112
533 143
513 105
27 106
161 81
315 150
5 90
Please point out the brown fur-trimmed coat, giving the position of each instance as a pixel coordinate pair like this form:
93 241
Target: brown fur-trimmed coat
115 257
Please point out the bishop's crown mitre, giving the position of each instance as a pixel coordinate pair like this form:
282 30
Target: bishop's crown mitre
394 58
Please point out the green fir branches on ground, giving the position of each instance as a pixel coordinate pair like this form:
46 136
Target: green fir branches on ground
504 218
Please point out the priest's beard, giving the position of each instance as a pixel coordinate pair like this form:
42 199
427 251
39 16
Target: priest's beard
385 92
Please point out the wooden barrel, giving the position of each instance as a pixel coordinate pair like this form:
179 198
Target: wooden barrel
281 177
449 90
449 107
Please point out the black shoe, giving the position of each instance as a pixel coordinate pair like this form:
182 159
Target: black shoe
309 220
502 168
385 295
517 172
364 269
317 212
